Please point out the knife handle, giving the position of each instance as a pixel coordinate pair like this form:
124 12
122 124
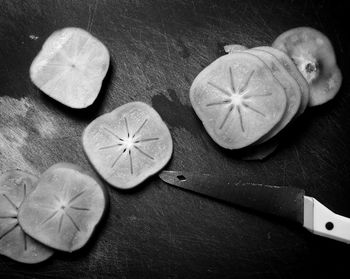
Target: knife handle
321 221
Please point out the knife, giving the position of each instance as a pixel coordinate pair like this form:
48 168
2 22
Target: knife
287 202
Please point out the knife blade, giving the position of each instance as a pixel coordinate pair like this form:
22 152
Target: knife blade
286 202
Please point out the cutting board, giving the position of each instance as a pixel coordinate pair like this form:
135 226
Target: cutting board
157 48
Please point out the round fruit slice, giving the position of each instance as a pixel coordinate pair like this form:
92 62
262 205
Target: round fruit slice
128 145
15 186
64 209
238 99
294 72
313 54
290 86
70 67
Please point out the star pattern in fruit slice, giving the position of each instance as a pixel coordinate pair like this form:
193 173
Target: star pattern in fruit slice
129 144
15 185
236 99
64 209
70 67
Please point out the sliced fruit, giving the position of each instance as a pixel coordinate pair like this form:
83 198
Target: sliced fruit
15 186
234 47
70 67
292 91
313 54
64 209
128 145
288 64
238 99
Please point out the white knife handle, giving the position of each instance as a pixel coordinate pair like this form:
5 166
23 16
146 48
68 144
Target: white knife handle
322 221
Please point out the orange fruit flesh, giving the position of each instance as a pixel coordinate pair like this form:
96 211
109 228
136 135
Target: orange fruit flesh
292 91
294 72
128 145
64 209
238 100
70 67
15 186
313 54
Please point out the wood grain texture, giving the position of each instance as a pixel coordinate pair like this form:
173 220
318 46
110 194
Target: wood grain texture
157 48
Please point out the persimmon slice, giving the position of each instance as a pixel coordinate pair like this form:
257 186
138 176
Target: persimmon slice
15 186
238 99
313 54
64 209
70 67
128 145
288 64
290 86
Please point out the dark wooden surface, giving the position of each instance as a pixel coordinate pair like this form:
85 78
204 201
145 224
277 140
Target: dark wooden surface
157 48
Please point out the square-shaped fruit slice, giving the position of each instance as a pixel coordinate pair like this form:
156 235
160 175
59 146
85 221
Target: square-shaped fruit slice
128 145
313 54
70 67
64 209
238 99
15 186
288 64
290 86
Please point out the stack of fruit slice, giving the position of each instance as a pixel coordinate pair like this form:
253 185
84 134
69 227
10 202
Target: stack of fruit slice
59 210
238 99
247 97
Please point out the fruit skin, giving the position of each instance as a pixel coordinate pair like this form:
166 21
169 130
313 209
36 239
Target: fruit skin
290 86
53 45
47 175
288 64
294 72
199 92
35 252
313 54
90 149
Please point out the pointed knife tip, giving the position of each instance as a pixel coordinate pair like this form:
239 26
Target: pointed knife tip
171 177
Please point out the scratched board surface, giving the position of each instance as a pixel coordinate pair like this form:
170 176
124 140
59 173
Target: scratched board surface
157 48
